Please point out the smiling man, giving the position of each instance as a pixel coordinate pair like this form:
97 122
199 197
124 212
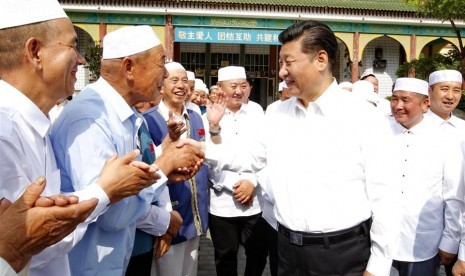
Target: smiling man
102 120
430 172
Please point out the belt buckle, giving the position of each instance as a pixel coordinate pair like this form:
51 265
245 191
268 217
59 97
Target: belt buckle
295 238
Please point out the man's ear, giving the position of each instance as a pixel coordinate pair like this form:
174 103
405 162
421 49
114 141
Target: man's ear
128 64
34 52
322 60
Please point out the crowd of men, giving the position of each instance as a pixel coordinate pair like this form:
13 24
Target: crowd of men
143 161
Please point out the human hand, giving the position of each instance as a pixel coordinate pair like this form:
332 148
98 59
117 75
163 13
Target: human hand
26 230
122 177
192 142
216 110
175 224
459 268
163 246
446 257
175 128
243 192
180 163
366 273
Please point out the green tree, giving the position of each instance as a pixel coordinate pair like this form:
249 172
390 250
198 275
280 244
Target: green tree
93 56
424 66
446 10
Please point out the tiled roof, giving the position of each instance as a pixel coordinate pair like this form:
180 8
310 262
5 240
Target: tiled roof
387 5
380 5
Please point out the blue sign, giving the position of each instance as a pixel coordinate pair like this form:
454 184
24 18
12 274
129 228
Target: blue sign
230 36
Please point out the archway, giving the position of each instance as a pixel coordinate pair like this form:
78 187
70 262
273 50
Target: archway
437 46
84 40
382 57
341 70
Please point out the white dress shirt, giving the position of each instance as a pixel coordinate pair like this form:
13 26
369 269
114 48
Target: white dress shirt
192 106
430 171
237 129
254 107
26 153
326 171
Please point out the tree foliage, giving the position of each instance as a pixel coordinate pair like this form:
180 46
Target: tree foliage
446 10
424 66
93 58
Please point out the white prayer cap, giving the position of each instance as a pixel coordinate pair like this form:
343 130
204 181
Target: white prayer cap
365 90
346 84
15 13
200 85
445 76
231 73
214 87
411 85
282 85
171 66
129 41
190 75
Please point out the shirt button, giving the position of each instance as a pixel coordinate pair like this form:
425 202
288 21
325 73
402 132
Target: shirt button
403 175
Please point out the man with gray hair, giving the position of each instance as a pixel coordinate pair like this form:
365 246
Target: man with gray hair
101 121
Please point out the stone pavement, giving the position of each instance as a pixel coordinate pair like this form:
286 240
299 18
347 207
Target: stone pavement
207 259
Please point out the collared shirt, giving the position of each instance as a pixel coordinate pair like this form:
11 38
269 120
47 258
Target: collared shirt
94 126
326 171
164 112
194 107
430 171
26 153
238 130
254 107
6 269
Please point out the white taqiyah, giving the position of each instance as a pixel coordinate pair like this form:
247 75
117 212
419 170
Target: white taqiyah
129 41
14 13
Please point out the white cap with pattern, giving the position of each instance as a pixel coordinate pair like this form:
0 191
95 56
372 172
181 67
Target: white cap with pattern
171 66
190 75
445 76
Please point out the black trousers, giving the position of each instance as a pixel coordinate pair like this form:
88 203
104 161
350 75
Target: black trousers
349 257
425 268
269 244
448 268
140 265
227 234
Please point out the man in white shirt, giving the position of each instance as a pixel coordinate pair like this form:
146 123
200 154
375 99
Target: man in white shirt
191 81
247 88
331 181
235 200
444 94
39 69
381 103
283 95
430 171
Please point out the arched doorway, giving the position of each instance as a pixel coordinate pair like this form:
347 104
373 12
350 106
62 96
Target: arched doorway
382 57
341 70
84 40
437 46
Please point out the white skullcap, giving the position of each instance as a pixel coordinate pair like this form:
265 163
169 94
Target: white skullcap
345 84
129 41
282 85
15 13
213 87
231 73
411 85
199 85
365 90
190 75
445 76
171 66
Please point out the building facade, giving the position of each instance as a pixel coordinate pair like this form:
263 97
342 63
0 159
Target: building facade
374 36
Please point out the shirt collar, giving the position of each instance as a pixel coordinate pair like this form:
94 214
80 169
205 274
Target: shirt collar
164 111
12 97
324 105
243 109
453 120
114 99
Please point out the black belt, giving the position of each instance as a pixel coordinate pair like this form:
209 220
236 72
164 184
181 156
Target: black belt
303 238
